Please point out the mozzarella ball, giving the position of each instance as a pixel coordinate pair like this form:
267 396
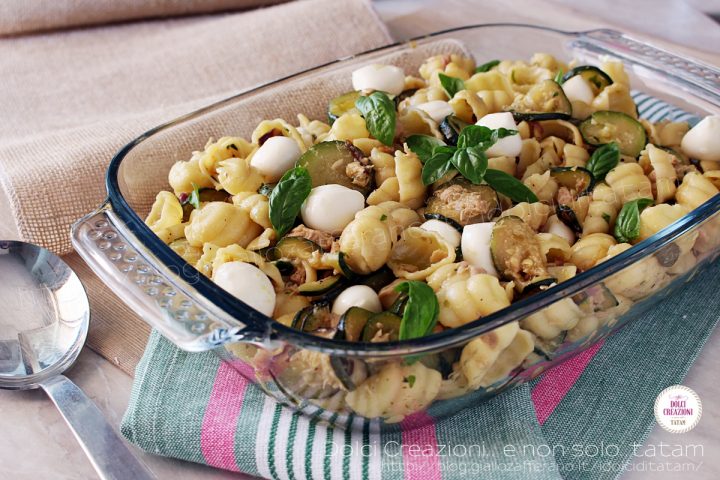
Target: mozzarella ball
445 230
577 89
276 156
508 146
357 296
247 283
331 207
385 78
703 140
556 226
437 110
476 246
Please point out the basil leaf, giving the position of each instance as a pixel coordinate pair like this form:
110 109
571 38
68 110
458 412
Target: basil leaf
473 135
422 146
627 225
484 137
509 186
194 197
437 166
287 197
603 160
485 67
379 113
451 85
421 310
471 163
559 77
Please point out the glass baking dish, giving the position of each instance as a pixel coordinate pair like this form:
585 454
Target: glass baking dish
196 315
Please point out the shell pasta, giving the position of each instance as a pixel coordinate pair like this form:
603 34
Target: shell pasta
428 200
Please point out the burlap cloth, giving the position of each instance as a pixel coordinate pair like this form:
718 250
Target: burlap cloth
26 16
69 100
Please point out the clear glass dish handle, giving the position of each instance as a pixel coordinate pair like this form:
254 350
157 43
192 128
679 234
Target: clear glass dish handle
704 79
153 290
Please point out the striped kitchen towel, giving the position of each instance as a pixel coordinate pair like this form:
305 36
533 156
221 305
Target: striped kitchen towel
579 420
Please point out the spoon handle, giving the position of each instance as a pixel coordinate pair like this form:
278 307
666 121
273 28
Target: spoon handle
108 453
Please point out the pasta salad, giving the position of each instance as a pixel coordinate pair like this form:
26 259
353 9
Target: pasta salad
427 201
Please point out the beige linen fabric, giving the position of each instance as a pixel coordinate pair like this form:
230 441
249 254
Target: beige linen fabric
70 100
24 16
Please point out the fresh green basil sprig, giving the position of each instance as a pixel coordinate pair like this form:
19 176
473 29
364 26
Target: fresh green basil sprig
380 116
421 310
287 197
469 159
627 225
603 160
486 67
451 85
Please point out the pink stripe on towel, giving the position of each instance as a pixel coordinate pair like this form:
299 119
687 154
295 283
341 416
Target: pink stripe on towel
217 437
420 451
557 382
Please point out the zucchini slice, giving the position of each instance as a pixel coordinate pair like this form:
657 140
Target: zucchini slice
548 348
385 322
594 76
398 306
294 248
345 268
536 286
450 128
377 280
352 323
544 101
604 126
442 361
313 318
266 189
443 218
668 255
403 95
327 163
462 202
567 215
516 253
320 287
596 298
284 267
341 104
577 179
351 372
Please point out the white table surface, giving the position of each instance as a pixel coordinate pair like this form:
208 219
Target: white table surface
36 444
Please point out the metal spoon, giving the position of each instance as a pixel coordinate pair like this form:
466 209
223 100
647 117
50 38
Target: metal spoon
44 317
